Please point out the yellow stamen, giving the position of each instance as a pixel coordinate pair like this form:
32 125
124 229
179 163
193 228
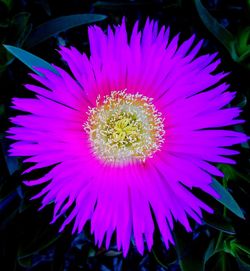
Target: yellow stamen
124 128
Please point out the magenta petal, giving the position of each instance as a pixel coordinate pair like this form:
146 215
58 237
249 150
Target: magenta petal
118 197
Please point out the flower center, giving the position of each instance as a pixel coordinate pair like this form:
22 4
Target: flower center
124 128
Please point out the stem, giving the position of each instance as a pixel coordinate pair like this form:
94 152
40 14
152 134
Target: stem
158 261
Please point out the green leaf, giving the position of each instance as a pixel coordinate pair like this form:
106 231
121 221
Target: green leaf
243 99
226 199
210 251
241 253
8 3
243 46
5 59
35 240
60 24
230 174
34 237
91 253
189 257
239 128
118 4
218 254
225 250
243 266
235 247
11 162
2 109
223 262
21 27
29 59
112 253
158 260
242 248
7 200
44 4
219 223
217 245
221 33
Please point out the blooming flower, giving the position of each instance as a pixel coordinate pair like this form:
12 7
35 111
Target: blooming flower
132 130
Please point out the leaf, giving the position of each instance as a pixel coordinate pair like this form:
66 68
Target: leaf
8 3
60 24
231 174
118 4
79 241
9 202
5 59
44 4
243 46
21 27
112 253
29 59
11 162
223 262
219 223
226 199
244 40
91 253
238 249
241 252
243 265
239 128
35 241
104 268
221 33
5 202
210 251
217 255
118 264
242 248
2 109
189 257
243 101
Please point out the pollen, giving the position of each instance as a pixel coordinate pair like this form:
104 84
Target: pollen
124 128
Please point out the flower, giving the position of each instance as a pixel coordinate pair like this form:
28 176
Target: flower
133 129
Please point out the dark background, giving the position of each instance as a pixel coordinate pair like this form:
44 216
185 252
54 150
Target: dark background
27 241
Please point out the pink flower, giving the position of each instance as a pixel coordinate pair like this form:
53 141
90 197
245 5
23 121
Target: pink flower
134 128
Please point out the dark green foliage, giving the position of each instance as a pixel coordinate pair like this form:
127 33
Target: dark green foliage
58 25
29 59
27 241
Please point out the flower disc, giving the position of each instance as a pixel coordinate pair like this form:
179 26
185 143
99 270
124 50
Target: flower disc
124 128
